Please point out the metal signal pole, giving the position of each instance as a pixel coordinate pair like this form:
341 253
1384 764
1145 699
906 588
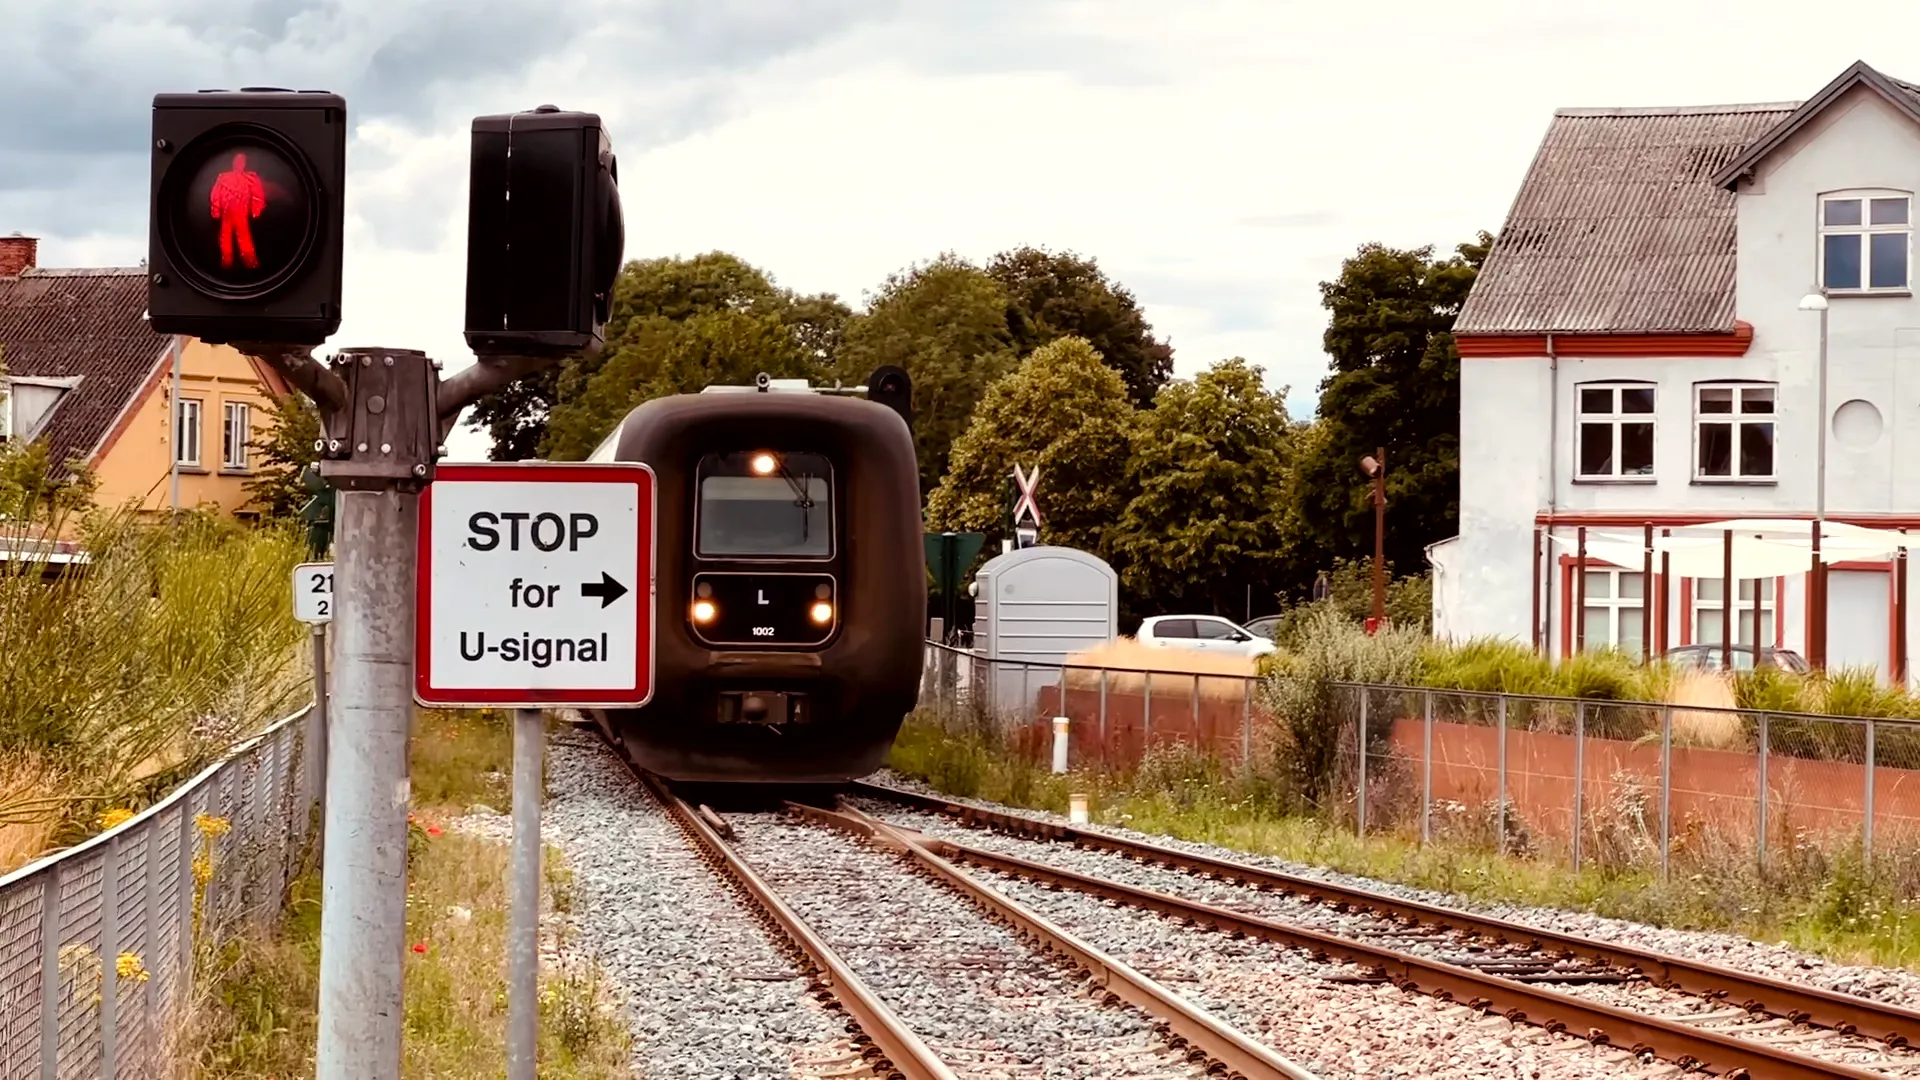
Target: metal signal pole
1376 467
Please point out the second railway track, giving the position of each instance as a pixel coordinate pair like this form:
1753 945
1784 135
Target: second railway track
1696 1015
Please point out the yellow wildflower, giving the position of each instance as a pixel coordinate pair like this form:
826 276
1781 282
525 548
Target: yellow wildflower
129 967
114 817
212 826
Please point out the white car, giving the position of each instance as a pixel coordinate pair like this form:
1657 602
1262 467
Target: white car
1206 633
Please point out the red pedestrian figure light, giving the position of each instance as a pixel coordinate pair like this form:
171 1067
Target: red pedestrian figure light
238 197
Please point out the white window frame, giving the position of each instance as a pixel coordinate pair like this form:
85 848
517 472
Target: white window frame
1613 603
233 452
1866 228
181 411
1616 419
1737 419
8 429
1743 588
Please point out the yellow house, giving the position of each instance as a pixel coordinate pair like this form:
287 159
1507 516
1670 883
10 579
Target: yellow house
164 420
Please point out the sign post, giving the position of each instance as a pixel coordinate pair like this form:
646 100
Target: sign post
535 590
313 605
1026 507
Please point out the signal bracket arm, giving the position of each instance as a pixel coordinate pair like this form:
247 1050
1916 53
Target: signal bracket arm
297 365
489 376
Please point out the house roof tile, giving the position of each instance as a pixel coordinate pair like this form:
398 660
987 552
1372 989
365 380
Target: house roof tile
91 323
1618 227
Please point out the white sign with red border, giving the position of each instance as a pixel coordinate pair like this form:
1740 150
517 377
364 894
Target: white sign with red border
536 586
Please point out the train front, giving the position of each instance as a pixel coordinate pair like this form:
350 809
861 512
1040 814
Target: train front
791 587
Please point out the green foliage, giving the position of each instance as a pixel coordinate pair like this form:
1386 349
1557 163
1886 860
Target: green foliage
1064 411
1210 458
1061 294
33 489
655 343
143 664
276 488
1395 384
945 323
1409 600
1314 717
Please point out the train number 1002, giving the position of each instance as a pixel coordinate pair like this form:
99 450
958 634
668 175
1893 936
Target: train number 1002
763 631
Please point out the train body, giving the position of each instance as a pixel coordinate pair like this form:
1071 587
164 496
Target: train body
790 583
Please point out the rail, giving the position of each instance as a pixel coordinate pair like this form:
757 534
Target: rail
1581 780
97 942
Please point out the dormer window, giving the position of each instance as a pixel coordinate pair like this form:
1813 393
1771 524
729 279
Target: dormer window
26 402
1865 237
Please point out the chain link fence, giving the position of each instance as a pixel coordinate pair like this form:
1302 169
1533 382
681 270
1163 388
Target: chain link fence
1583 782
97 943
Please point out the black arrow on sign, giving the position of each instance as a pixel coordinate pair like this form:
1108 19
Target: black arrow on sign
607 589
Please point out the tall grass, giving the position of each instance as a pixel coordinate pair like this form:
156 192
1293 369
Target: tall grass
121 675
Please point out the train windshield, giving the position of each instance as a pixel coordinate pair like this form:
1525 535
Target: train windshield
762 504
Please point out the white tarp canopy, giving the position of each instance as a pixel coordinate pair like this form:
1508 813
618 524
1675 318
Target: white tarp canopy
1762 547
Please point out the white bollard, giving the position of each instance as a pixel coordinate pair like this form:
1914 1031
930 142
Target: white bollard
1059 744
1077 808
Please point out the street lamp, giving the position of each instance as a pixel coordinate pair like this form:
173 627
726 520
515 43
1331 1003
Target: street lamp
1373 465
1816 300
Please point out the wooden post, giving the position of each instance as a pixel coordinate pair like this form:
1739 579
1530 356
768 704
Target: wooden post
1534 611
1900 613
1580 590
1380 537
1816 607
1666 594
1646 594
1729 607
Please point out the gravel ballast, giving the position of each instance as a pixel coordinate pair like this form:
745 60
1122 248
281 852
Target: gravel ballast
706 991
983 1001
1891 985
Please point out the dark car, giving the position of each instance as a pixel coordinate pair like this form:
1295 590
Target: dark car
1709 657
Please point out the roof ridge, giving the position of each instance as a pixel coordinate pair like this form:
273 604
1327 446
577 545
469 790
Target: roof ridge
84 271
1678 110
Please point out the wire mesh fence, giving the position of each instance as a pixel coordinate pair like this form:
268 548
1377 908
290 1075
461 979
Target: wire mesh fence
1584 782
97 942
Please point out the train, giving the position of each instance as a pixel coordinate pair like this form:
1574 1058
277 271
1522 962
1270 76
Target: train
790 580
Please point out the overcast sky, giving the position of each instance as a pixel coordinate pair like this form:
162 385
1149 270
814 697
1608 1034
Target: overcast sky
1219 157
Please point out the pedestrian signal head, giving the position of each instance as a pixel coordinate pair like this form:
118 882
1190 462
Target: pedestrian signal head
246 219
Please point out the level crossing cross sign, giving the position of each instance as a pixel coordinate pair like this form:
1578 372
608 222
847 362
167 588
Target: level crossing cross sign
1027 504
536 586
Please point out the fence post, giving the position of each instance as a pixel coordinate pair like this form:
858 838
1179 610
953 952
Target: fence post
1579 776
1666 787
1426 766
1246 724
1146 714
109 957
183 874
1500 806
1027 706
1762 792
1060 744
150 923
1106 751
1199 737
1866 833
50 974
1361 803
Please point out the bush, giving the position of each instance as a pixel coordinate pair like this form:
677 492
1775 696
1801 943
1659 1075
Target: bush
1313 714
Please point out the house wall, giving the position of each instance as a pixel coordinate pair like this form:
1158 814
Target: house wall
136 466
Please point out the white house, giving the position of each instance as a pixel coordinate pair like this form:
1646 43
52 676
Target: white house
1639 352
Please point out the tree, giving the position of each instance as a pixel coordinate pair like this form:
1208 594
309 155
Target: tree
1064 411
294 425
674 289
1395 383
945 323
1056 295
1210 459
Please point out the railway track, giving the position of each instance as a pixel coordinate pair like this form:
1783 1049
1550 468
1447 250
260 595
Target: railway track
1694 1015
917 993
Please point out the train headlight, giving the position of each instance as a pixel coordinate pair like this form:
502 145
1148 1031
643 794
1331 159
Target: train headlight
764 464
704 611
822 612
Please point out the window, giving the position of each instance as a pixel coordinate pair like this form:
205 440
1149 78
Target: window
1212 630
1615 429
233 436
1709 612
1733 431
1173 628
1864 240
1613 616
26 403
762 504
186 432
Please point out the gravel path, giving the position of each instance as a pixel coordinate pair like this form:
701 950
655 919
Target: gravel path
1891 985
986 1003
1449 946
1280 996
707 993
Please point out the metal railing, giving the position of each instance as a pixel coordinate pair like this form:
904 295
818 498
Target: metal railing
97 942
1584 781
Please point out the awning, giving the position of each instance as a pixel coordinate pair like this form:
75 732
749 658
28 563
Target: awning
1762 547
